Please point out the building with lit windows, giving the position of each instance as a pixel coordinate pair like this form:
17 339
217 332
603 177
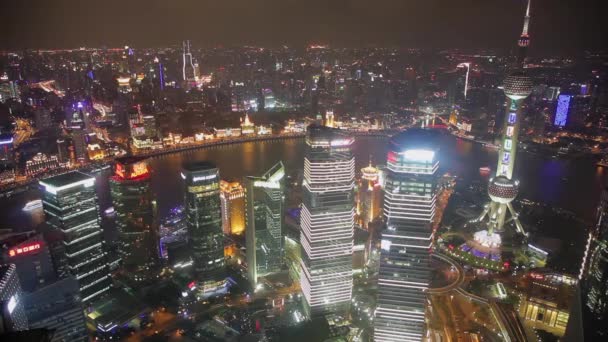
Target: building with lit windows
409 208
70 204
547 302
232 198
369 196
327 221
136 218
264 232
204 224
594 275
12 314
6 150
57 306
247 127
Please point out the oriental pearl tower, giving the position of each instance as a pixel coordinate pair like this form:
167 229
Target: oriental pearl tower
503 188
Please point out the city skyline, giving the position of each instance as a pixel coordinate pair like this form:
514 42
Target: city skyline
301 171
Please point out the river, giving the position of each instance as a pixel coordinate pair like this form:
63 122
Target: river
572 184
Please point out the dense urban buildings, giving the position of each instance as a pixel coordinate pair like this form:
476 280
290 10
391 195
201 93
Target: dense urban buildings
327 220
264 222
204 222
71 208
355 173
136 218
410 197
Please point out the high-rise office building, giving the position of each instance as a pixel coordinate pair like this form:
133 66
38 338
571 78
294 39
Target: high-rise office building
136 218
63 153
58 307
264 222
409 207
204 222
232 197
70 205
12 314
369 196
594 275
327 220
7 158
43 119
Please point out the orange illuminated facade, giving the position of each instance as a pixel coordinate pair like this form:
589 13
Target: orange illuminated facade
131 170
369 196
232 197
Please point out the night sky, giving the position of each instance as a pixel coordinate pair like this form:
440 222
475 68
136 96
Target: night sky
556 26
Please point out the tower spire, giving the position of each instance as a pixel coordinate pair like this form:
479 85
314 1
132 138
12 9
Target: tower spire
524 39
526 20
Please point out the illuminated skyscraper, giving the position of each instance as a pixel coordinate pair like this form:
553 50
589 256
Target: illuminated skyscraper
327 220
187 63
70 204
524 39
12 316
409 207
563 108
232 197
264 232
135 218
594 275
204 222
369 195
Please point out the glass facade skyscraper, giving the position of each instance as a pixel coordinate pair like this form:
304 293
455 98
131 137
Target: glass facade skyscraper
595 275
327 221
12 314
409 207
204 222
135 218
70 205
264 222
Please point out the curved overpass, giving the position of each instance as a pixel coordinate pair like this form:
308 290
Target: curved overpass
454 285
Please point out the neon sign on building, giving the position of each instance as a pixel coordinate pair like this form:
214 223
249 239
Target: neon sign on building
27 249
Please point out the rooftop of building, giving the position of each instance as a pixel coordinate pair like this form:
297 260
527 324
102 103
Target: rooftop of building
68 178
52 299
119 307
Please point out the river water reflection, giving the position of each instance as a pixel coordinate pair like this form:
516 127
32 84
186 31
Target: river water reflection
573 184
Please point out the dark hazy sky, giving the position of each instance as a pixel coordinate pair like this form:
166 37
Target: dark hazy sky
566 25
